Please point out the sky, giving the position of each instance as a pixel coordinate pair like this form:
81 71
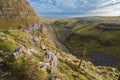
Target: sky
76 8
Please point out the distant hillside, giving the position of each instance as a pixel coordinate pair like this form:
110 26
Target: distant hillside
100 35
16 13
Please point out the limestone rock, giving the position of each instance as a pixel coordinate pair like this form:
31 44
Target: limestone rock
34 28
19 11
51 76
1 33
43 47
8 9
1 62
43 65
36 41
31 51
51 57
18 52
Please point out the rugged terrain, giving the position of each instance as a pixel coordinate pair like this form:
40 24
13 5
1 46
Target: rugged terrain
29 49
100 35
16 13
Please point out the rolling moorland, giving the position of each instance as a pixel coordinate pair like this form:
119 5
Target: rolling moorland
32 47
100 35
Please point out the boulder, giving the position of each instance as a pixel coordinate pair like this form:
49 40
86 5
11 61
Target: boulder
33 28
52 76
31 51
114 69
36 41
1 62
4 38
1 33
43 65
51 57
18 52
43 47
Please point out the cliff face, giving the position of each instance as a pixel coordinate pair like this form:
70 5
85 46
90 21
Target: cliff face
16 13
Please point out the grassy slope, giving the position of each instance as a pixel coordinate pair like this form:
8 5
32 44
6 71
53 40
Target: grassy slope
24 68
84 33
19 67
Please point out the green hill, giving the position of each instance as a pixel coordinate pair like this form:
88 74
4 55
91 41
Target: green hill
100 35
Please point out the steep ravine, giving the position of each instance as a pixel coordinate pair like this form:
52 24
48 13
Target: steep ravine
30 51
64 46
78 34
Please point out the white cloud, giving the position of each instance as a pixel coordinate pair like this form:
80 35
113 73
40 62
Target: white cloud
110 2
85 1
112 10
78 7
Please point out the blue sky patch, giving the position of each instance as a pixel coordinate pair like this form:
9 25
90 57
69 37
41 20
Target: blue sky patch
76 8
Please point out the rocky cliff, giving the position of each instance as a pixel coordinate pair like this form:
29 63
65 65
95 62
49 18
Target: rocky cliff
14 13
